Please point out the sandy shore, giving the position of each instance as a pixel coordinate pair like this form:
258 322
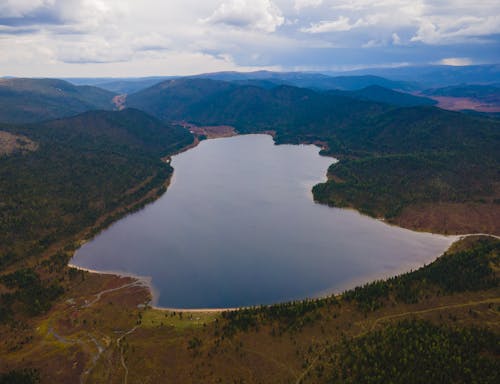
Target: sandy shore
221 132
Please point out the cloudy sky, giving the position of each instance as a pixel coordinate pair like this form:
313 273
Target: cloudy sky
167 37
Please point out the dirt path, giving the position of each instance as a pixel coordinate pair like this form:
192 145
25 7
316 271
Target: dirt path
122 357
443 307
395 316
136 283
89 341
94 357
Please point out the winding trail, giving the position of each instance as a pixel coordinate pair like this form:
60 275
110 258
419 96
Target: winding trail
136 283
89 339
122 358
398 315
440 308
92 339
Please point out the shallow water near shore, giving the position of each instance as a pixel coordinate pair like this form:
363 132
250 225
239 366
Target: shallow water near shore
238 227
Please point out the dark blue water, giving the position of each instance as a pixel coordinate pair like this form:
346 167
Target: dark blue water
238 227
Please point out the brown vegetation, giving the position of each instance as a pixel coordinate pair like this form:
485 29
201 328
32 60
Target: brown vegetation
119 101
11 143
464 103
451 218
210 132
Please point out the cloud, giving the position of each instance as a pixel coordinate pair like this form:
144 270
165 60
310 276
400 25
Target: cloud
300 4
456 61
396 40
438 30
373 44
342 24
21 8
73 37
420 21
76 16
261 15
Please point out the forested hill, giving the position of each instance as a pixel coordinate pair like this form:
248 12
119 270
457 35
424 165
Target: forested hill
84 167
33 100
389 96
250 108
395 159
310 80
351 127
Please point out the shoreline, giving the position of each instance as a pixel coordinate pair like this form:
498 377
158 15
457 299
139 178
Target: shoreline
146 281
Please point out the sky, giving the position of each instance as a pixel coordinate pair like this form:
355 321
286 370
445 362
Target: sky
121 38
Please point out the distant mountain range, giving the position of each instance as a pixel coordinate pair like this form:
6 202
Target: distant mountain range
432 76
30 100
120 85
380 94
260 78
484 93
402 78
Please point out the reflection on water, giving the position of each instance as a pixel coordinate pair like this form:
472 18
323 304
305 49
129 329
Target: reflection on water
238 227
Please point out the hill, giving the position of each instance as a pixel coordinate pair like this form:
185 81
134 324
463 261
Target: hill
311 80
85 170
120 85
34 100
435 76
249 108
485 93
384 95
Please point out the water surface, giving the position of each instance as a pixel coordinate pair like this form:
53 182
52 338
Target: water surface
238 227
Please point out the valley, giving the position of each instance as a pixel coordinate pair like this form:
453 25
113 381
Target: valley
415 166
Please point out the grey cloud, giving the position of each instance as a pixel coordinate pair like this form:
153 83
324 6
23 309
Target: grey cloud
8 30
190 35
40 16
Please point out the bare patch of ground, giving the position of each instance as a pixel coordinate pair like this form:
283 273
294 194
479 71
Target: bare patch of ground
451 218
119 102
464 103
10 143
210 132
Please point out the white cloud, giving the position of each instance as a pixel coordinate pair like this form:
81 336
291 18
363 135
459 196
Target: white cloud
300 4
261 15
72 37
456 61
396 40
374 44
342 24
443 29
431 22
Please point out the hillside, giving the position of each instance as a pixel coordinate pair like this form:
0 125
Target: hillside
249 108
396 162
485 93
313 80
86 170
34 100
435 76
380 94
119 85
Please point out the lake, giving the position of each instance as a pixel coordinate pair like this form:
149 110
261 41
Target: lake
238 226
